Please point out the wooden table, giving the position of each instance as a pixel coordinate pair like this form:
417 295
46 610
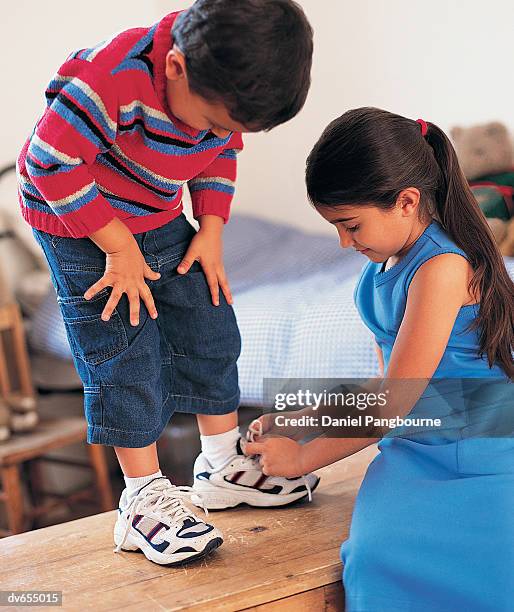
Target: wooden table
281 559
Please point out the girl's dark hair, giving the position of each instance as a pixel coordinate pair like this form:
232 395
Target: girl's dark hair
368 156
254 56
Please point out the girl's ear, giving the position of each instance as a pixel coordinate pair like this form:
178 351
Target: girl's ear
175 64
408 201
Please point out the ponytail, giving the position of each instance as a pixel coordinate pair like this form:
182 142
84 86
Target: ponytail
461 217
371 155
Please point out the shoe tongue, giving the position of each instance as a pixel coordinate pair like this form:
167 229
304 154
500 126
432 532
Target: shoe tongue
162 482
154 483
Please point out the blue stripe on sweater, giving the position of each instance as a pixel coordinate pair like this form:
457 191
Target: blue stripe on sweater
75 93
46 158
101 159
129 208
84 54
162 125
59 210
131 64
228 154
41 207
147 177
87 52
169 149
31 189
142 43
35 171
78 203
212 186
78 124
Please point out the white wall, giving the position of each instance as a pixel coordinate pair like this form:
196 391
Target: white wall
447 61
36 38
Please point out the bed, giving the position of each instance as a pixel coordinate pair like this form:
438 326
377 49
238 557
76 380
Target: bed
293 299
293 295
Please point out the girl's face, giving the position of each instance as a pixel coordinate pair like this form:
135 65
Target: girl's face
375 232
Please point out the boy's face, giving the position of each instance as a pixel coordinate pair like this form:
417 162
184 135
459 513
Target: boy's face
192 109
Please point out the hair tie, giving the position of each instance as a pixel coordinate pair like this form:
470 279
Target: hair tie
424 127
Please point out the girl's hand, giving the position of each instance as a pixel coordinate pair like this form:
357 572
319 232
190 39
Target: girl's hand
207 248
125 271
258 427
279 456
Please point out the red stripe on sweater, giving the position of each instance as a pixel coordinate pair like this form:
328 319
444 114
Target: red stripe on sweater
76 179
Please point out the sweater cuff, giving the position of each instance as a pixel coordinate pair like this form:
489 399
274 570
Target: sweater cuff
89 219
209 204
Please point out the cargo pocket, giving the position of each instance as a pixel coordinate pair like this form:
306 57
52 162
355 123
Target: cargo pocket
91 339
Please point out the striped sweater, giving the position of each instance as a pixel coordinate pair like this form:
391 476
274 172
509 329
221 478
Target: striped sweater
108 146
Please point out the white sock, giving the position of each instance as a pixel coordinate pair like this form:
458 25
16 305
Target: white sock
220 447
134 484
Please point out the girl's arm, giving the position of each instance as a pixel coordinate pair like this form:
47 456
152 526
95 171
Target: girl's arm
436 294
380 357
281 456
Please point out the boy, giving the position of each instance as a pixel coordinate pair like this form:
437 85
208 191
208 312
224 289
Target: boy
127 123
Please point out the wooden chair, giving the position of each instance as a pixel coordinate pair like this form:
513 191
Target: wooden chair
30 447
11 329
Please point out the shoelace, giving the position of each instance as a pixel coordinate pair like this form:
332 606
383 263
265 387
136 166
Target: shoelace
255 430
166 501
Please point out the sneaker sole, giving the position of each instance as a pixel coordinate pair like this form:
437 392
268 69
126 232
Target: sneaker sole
136 543
216 499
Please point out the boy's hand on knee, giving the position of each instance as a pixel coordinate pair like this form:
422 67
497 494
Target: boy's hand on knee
126 271
207 248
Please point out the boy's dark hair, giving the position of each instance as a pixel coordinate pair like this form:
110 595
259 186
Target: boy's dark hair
368 156
254 56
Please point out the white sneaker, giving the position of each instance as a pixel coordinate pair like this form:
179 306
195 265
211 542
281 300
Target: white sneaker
159 524
241 481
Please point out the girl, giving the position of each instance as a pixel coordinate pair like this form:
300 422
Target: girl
432 525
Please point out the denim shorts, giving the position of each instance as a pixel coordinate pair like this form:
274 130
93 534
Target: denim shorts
136 377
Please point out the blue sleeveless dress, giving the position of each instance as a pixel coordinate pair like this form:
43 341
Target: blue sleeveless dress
433 523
